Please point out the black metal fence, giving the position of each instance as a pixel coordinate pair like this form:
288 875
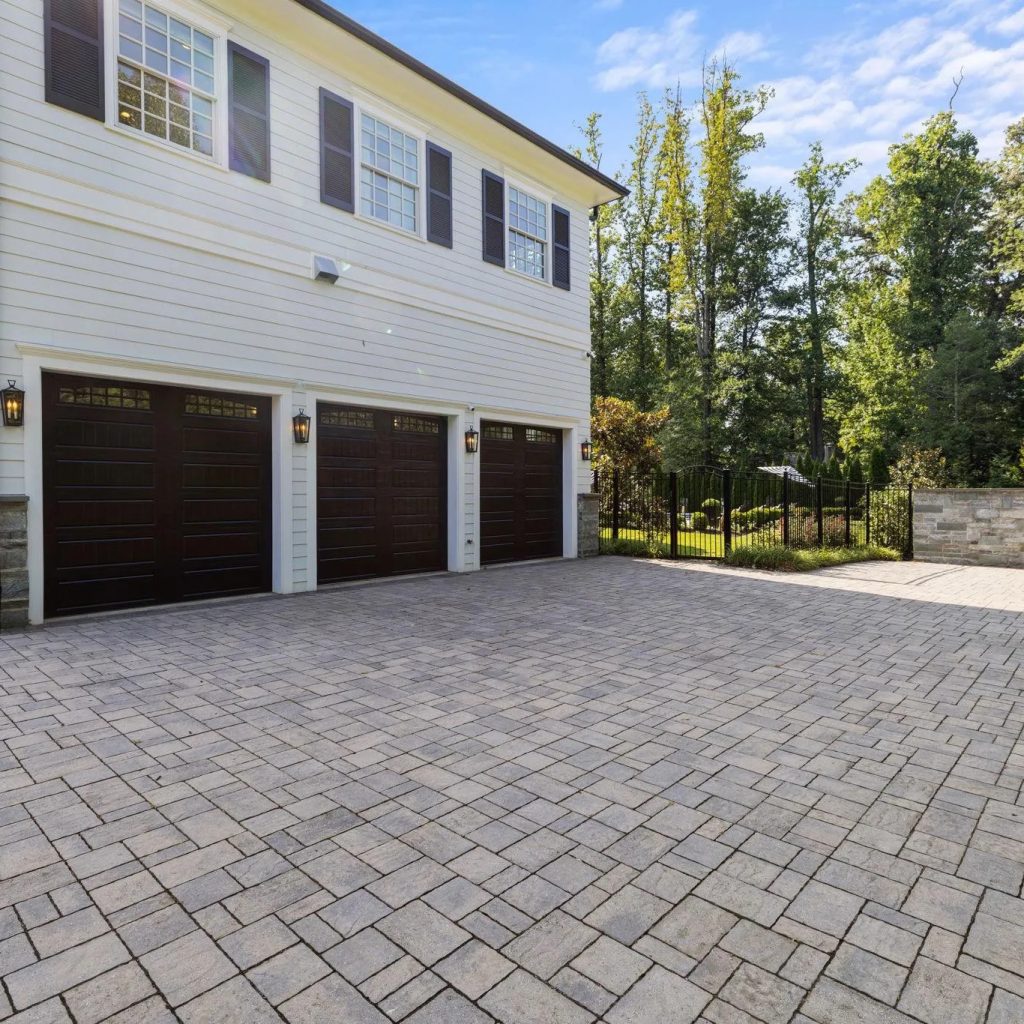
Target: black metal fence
702 512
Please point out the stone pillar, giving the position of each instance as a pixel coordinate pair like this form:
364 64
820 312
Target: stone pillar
13 561
587 506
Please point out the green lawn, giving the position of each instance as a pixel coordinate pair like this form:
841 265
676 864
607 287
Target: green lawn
700 544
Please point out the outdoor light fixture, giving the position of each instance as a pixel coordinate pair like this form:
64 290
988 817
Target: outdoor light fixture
585 451
300 427
14 405
472 441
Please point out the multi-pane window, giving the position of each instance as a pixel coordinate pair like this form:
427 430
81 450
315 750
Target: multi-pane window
165 77
389 174
527 233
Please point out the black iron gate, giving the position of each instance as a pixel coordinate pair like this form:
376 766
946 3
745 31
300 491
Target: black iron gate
704 512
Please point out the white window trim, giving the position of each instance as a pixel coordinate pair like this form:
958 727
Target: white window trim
419 132
199 18
542 196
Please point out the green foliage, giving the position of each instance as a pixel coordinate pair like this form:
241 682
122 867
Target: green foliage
783 559
1007 472
890 518
920 467
625 438
699 521
635 548
768 322
878 468
823 250
712 508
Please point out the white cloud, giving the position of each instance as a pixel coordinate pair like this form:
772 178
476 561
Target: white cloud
859 91
651 57
742 46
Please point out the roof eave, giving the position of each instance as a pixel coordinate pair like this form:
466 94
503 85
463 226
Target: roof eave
362 33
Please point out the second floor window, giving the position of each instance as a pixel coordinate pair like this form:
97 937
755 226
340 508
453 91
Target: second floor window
165 77
527 233
389 174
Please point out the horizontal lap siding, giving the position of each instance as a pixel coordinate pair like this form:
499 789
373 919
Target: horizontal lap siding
121 292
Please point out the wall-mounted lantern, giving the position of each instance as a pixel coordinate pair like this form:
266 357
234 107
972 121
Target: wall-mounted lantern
13 404
472 441
300 427
585 451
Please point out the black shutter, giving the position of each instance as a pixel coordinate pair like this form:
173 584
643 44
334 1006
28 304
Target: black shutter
337 160
494 218
560 247
73 31
439 195
248 112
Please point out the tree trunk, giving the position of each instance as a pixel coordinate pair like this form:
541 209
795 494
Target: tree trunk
816 370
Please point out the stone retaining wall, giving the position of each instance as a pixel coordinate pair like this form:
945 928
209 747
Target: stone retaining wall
970 526
587 506
13 561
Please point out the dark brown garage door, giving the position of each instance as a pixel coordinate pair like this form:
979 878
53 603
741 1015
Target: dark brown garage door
520 493
381 493
152 494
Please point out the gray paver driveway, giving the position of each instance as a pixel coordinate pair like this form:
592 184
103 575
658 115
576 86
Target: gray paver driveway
615 790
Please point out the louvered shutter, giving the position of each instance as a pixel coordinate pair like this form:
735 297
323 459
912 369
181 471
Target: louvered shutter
248 112
73 31
494 218
337 159
560 247
439 195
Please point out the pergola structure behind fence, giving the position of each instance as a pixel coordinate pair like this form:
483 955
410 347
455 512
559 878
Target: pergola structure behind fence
704 512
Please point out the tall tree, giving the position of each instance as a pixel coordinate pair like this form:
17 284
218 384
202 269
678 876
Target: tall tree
822 251
602 269
1007 233
759 368
638 250
725 113
923 225
677 218
926 237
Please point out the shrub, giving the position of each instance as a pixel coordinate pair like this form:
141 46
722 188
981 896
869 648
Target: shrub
889 518
803 531
634 547
712 508
785 559
766 514
699 521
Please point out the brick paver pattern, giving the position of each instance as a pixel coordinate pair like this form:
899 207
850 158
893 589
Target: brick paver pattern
613 790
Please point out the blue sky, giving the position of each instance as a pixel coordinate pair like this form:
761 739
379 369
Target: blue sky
854 74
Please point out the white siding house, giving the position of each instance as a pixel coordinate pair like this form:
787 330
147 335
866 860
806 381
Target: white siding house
169 174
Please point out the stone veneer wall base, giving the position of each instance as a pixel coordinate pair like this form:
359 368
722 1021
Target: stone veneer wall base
587 506
13 561
970 526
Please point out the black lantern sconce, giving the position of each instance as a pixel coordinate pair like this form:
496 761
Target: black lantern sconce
300 427
14 405
585 451
472 441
